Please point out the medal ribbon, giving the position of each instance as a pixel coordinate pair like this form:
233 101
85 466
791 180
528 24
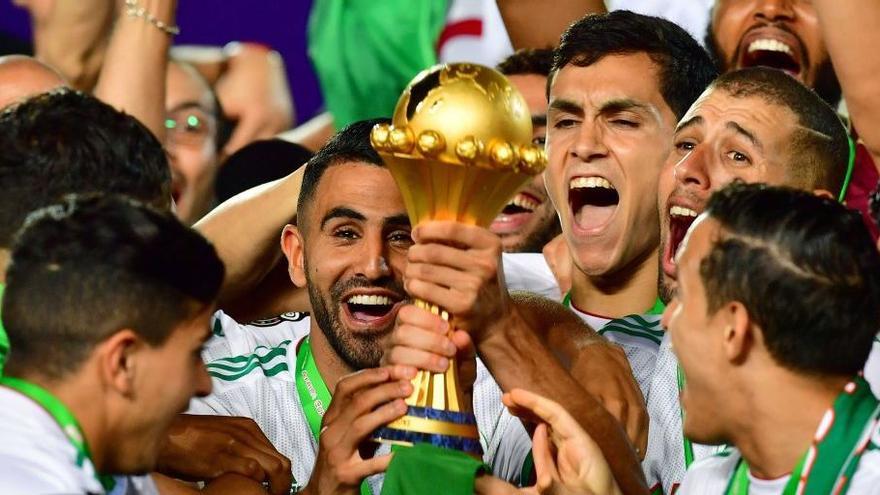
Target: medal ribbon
65 419
314 394
836 448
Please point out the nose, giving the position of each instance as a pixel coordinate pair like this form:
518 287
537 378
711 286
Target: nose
775 10
203 383
590 145
692 169
374 264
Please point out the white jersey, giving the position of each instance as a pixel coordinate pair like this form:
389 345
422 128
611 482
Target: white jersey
638 335
711 476
529 272
664 463
253 370
35 454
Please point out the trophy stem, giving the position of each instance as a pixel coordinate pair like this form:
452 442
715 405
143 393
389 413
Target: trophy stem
437 413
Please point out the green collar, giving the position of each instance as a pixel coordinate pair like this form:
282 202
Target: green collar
656 309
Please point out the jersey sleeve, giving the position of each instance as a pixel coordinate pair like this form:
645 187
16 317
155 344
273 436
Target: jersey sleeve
530 272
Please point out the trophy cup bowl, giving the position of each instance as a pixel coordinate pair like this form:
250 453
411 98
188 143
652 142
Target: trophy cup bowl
459 147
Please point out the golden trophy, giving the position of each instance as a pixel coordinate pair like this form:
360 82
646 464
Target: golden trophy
459 147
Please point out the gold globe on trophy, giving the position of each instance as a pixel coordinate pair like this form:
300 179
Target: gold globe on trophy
459 147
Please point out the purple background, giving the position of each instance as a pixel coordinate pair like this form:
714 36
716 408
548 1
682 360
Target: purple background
280 24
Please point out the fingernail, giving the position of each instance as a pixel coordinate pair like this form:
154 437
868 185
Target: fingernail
450 348
405 387
443 363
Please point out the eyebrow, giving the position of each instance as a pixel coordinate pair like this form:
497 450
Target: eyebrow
567 106
342 212
745 133
696 120
621 104
539 120
351 214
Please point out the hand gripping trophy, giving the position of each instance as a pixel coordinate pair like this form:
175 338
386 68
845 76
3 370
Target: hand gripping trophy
459 147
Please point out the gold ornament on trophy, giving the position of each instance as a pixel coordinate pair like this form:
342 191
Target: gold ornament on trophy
459 147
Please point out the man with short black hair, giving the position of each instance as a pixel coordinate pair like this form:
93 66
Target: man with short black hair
618 84
756 125
778 381
66 142
107 307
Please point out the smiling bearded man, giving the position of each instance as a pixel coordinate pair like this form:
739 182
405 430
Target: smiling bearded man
349 248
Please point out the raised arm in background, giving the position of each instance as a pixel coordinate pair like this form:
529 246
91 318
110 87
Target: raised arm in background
851 32
530 24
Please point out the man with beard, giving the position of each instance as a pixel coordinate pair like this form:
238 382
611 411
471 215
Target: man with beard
753 125
349 249
529 221
787 35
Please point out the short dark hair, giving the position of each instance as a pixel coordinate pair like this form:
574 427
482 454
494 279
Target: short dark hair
821 147
66 142
86 268
527 61
351 144
806 269
685 69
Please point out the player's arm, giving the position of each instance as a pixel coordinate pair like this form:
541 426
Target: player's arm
520 19
132 77
458 268
850 31
246 230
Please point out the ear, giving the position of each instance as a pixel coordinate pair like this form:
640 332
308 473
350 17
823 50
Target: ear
824 193
118 361
292 246
737 331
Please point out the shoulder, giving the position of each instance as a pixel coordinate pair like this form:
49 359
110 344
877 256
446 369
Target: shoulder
35 457
530 272
247 358
710 475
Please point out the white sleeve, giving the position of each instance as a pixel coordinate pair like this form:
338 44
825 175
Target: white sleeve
509 461
530 272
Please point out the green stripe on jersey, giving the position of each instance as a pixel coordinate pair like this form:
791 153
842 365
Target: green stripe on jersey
612 327
632 325
270 360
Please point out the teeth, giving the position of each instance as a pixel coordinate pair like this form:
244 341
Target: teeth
770 46
366 300
589 182
524 202
680 211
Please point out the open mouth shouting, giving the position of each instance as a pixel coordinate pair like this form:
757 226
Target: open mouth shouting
370 310
680 220
516 214
593 201
772 47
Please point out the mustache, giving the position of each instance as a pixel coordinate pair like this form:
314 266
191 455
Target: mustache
359 282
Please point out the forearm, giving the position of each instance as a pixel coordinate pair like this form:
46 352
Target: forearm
246 230
72 37
520 19
133 76
517 357
850 32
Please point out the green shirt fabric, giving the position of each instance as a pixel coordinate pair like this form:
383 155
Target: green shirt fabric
4 340
426 469
365 53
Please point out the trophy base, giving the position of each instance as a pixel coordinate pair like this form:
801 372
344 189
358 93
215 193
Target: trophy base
441 428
